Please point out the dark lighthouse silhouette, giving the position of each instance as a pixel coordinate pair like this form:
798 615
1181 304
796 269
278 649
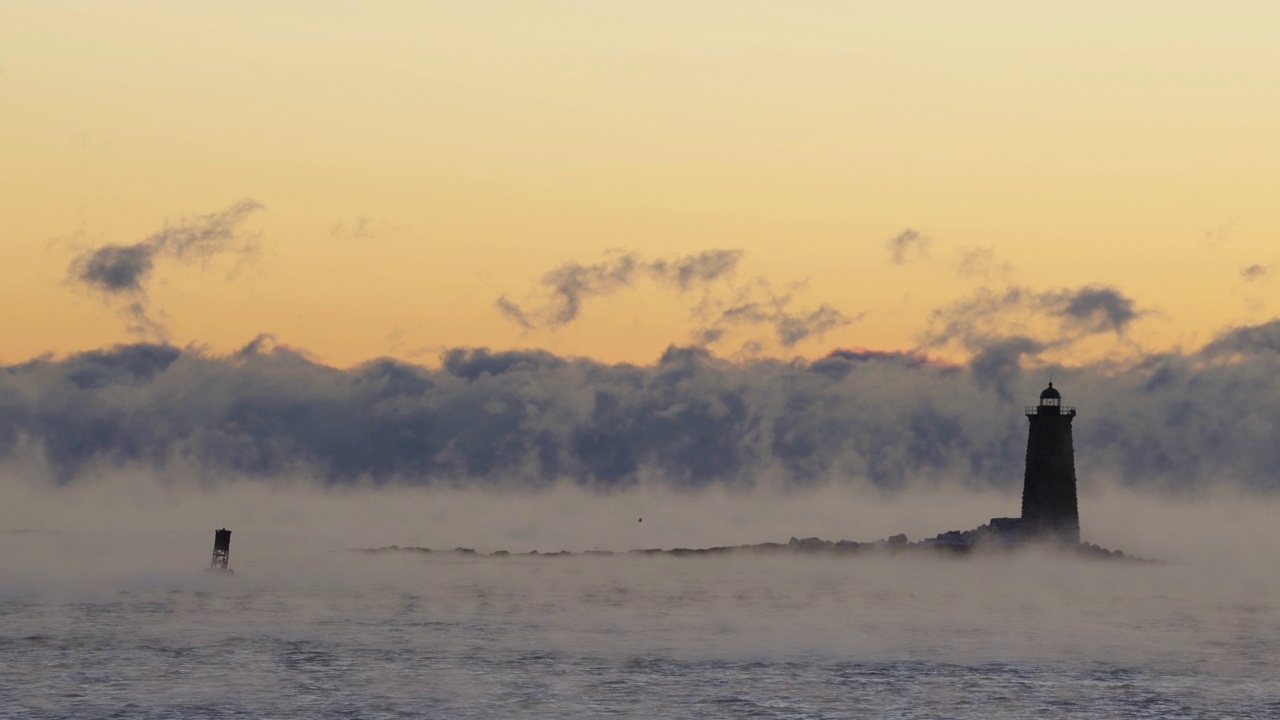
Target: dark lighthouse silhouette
1049 509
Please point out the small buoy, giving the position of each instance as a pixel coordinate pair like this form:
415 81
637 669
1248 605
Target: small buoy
640 520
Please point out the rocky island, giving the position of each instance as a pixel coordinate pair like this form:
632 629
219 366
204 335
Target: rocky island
1050 514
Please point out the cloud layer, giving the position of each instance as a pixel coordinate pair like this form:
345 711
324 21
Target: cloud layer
532 418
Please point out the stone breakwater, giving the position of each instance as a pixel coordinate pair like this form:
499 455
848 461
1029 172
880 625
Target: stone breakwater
949 544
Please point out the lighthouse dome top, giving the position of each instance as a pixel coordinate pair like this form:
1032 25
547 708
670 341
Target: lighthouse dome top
1050 404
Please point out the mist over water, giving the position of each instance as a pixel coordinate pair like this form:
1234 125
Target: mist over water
705 276
104 607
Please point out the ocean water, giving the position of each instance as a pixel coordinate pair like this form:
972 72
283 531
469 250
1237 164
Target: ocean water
447 635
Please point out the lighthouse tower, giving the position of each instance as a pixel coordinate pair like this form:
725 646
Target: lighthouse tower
1049 508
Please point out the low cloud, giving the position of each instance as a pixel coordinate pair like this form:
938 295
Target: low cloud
724 307
1255 272
695 270
121 273
1093 309
1246 340
813 323
566 287
758 303
116 268
514 313
839 363
907 245
998 363
1054 317
1002 329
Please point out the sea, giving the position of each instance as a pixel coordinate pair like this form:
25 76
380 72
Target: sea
460 635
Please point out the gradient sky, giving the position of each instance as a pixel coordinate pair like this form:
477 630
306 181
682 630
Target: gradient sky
416 161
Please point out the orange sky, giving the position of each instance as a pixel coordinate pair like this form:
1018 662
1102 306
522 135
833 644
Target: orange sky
417 161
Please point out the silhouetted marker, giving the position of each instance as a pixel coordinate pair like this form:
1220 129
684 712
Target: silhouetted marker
221 550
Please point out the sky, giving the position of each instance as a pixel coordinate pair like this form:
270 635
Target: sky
712 242
411 165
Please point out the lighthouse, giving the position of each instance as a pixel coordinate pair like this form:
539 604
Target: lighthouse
1049 510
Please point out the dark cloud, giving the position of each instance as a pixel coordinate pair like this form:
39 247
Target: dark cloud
907 245
839 363
758 303
122 272
207 235
122 365
514 313
571 283
694 270
143 321
1048 318
972 321
260 344
474 363
1249 339
568 286
116 268
753 303
691 418
861 355
997 364
814 323
1096 309
1255 272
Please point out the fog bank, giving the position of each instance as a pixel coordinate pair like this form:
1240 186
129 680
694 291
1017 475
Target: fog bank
128 526
1176 421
